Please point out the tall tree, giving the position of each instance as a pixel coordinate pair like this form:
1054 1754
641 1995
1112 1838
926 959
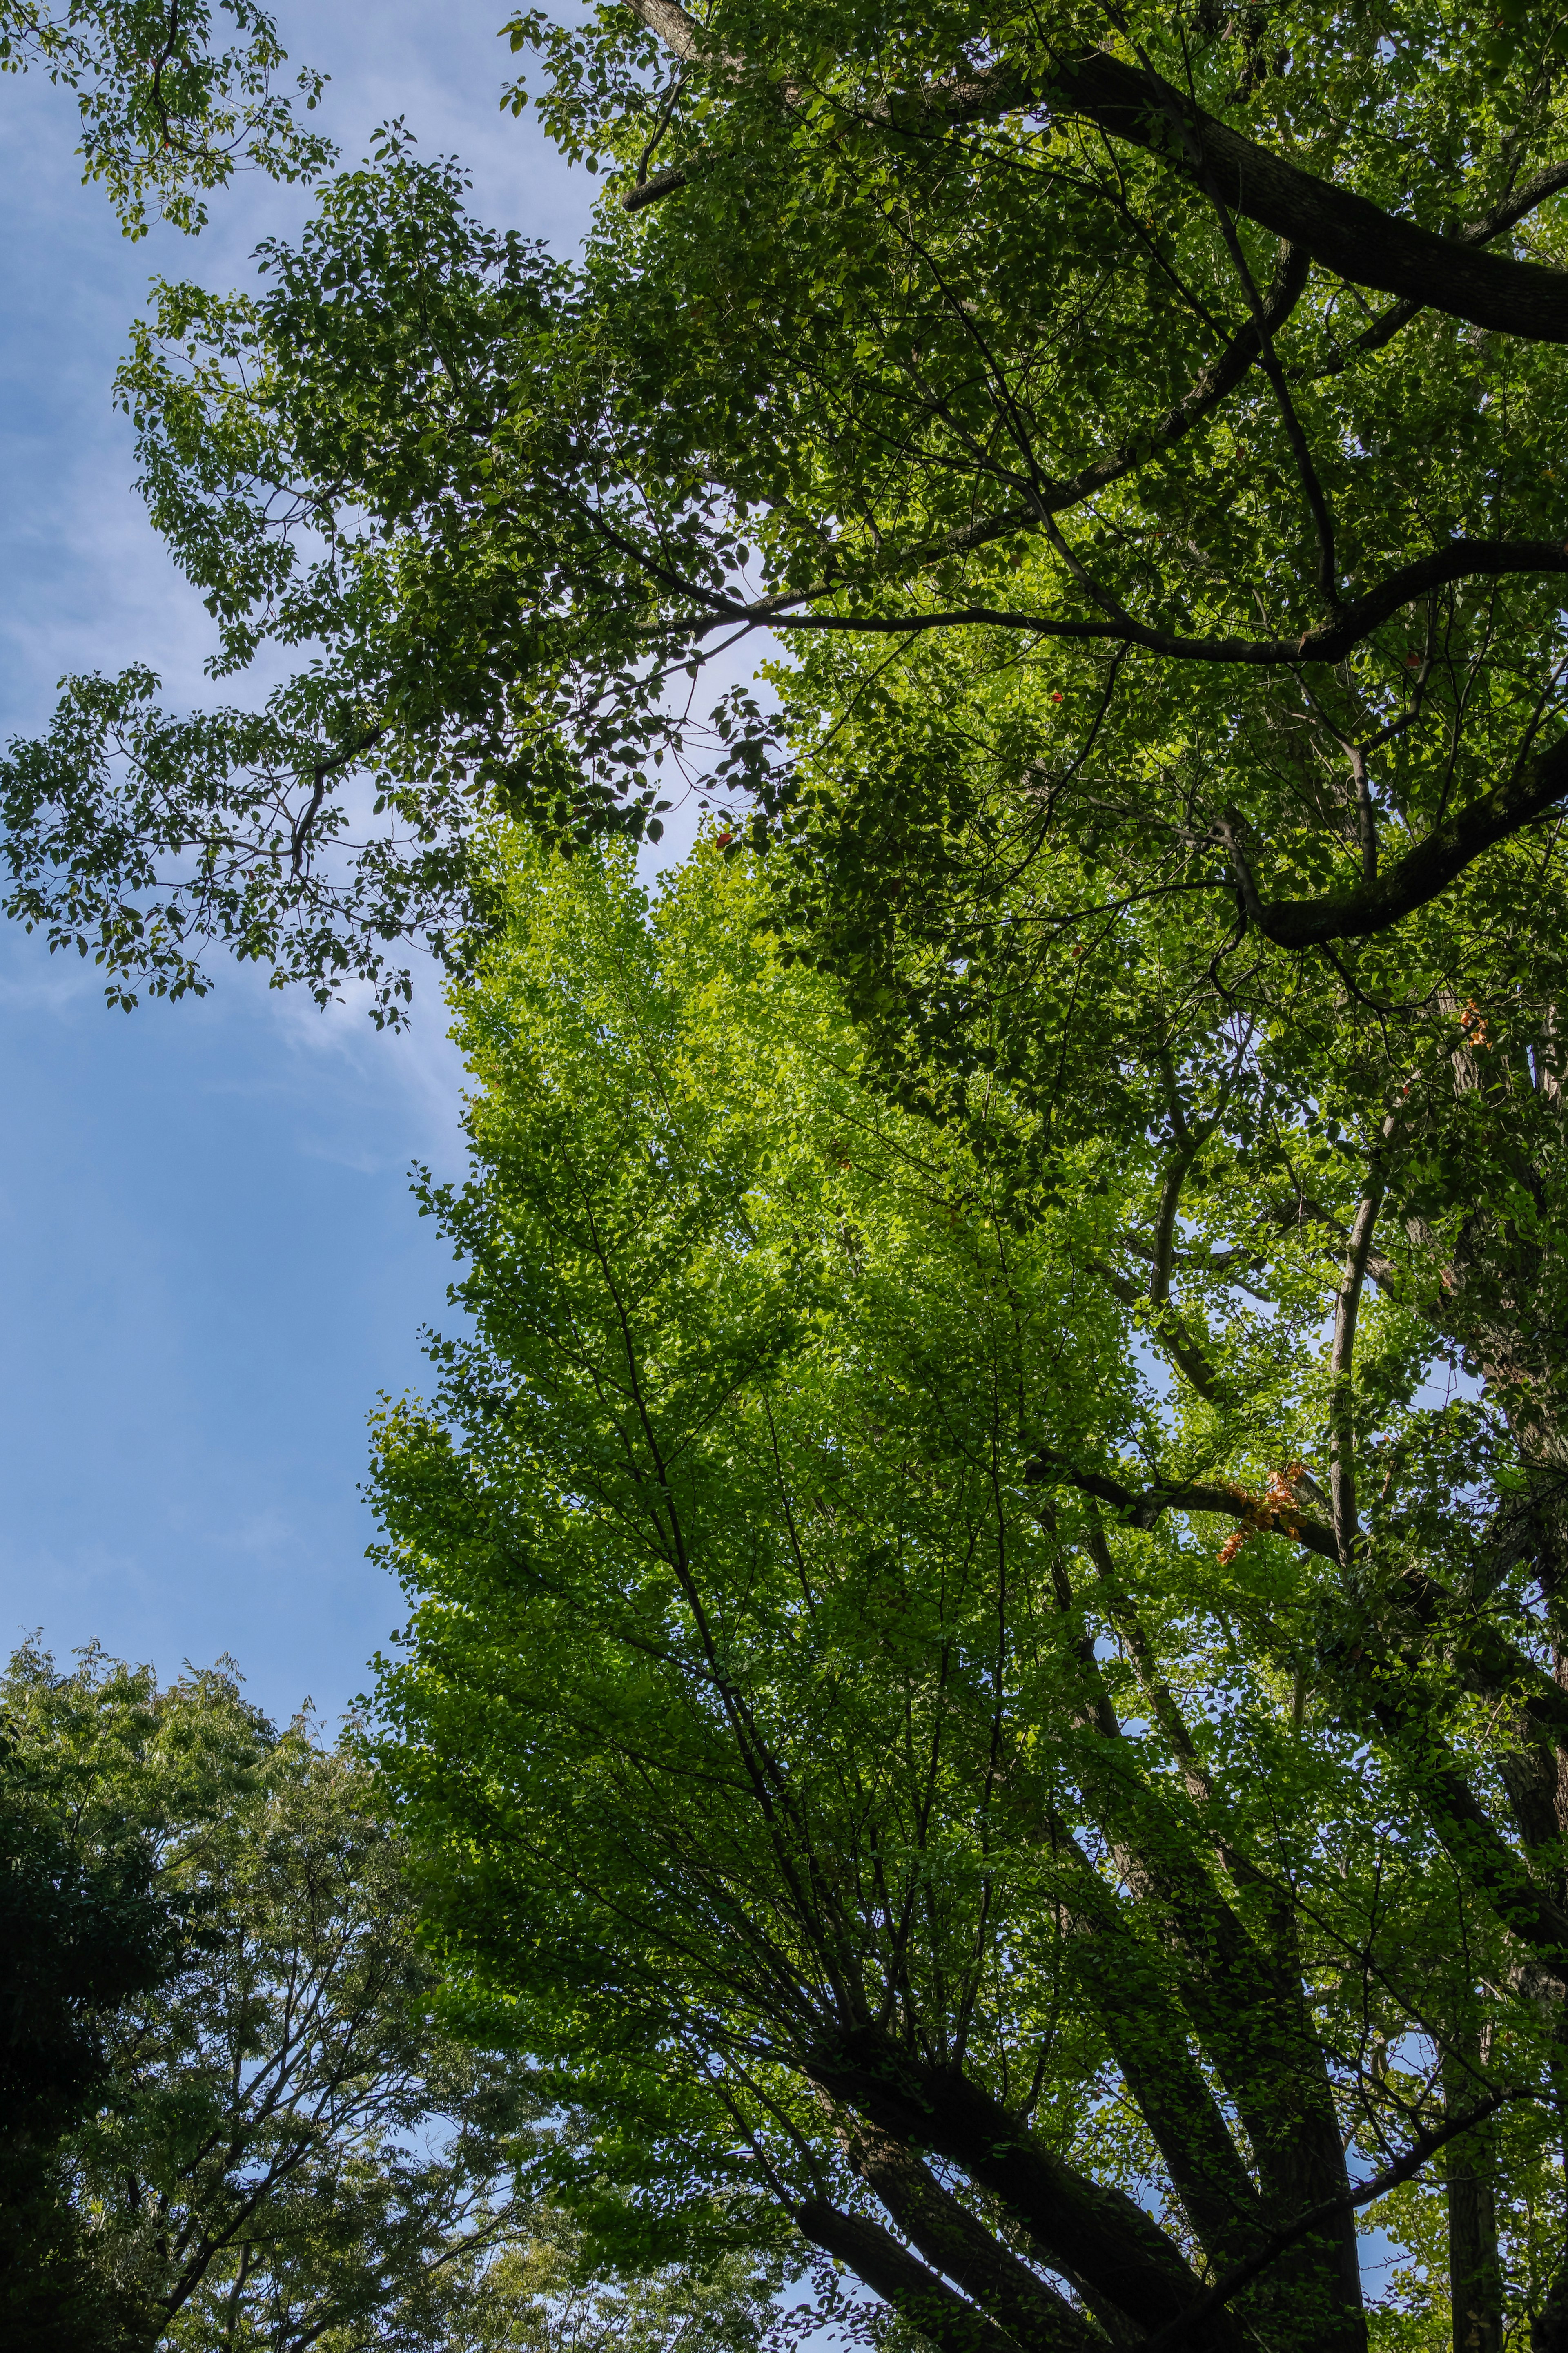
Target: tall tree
885 1736
1148 424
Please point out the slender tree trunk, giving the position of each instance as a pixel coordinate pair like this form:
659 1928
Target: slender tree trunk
1475 2269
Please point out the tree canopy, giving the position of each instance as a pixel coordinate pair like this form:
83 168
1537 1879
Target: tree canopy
1202 367
278 2142
898 1707
989 1657
82 1930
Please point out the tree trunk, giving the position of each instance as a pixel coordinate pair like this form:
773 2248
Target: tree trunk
1474 2268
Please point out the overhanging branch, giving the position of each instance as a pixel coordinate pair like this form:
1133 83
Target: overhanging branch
1142 1510
1423 873
1347 233
920 2296
1329 642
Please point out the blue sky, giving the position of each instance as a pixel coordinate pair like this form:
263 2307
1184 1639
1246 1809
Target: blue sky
209 1263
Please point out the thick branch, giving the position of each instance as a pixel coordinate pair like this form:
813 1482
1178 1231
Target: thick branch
1529 193
1491 1664
1467 1830
1142 1511
1149 2038
681 34
1345 232
1355 238
1329 642
954 2243
1423 873
1404 2168
1096 2234
890 2271
1049 499
1533 788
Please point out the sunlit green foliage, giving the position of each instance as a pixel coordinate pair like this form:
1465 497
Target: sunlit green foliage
885 1692
990 1622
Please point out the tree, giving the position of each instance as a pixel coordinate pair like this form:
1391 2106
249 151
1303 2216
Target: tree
290 2148
881 1734
1061 332
79 1937
164 117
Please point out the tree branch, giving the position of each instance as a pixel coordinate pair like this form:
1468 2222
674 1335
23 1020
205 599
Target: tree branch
1422 871
1150 2042
951 2239
1355 238
1331 641
1345 232
1342 1369
1425 2145
1096 2234
1142 1511
890 2271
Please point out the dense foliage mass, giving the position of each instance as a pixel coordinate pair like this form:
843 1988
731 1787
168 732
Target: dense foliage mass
1203 369
963 1675
270 2138
80 1933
